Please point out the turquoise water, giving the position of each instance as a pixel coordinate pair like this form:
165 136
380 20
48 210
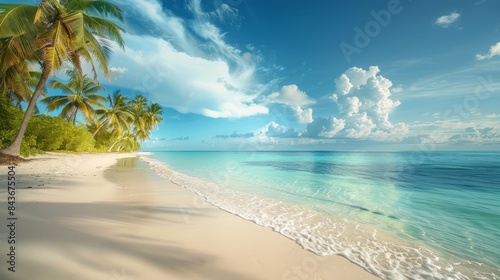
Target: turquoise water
404 215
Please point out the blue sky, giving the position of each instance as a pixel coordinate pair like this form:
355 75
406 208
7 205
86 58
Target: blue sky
315 75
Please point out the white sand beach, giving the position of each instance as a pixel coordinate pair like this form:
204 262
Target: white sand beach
86 217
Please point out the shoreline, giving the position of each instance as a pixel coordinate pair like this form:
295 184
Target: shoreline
92 216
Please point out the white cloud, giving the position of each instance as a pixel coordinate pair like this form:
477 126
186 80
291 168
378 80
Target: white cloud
274 129
446 20
353 105
470 135
290 95
436 115
476 130
119 70
354 77
187 64
296 99
493 51
475 135
343 85
303 116
165 24
397 89
223 12
324 128
116 72
187 83
364 101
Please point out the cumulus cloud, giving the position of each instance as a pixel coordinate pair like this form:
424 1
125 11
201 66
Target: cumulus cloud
182 138
324 127
354 77
446 20
303 115
290 95
276 130
364 101
295 99
493 51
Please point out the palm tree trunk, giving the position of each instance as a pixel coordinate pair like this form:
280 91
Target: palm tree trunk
15 148
111 148
99 128
73 117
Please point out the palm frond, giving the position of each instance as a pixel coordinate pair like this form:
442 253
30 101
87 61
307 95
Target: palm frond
16 20
99 50
15 50
105 9
62 86
55 102
73 23
105 28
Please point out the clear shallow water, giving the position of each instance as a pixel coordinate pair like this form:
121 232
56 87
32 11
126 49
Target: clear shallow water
399 215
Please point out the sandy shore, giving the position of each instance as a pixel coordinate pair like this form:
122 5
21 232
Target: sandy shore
93 217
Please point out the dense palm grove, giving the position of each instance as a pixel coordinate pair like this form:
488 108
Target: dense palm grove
39 41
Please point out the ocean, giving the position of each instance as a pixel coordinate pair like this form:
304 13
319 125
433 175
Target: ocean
400 215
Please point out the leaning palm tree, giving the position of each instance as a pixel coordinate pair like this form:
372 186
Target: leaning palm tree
117 117
80 95
53 33
126 142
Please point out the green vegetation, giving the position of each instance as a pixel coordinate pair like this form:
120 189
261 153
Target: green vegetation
53 34
44 133
48 37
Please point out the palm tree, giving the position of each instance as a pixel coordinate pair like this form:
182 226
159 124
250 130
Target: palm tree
138 108
153 114
80 95
145 117
128 121
127 142
55 32
117 117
